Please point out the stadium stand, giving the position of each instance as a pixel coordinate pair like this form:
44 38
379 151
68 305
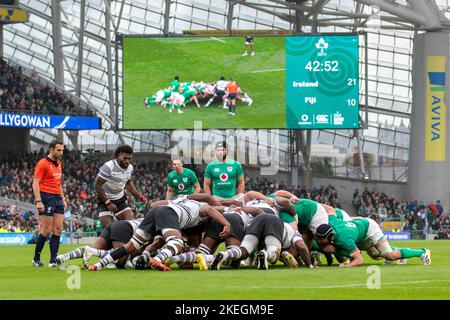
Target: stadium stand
414 214
81 170
22 94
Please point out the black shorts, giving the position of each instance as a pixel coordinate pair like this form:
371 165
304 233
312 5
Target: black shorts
264 225
120 231
121 204
195 230
232 96
219 93
52 204
159 218
237 229
248 40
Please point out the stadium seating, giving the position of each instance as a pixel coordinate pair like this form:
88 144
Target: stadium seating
80 171
415 214
22 94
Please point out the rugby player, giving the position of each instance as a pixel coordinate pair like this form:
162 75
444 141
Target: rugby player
249 42
113 179
349 237
238 218
116 234
224 175
219 92
269 230
309 215
168 220
181 181
174 84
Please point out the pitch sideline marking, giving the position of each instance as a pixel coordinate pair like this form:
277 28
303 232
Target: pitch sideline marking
217 39
387 283
199 40
268 70
350 285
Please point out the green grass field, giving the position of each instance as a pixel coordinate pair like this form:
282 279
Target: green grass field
19 280
149 64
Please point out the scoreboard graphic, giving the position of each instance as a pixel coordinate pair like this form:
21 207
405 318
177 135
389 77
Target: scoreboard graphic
322 82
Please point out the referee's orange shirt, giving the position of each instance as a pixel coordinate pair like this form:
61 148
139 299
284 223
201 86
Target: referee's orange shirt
232 87
50 176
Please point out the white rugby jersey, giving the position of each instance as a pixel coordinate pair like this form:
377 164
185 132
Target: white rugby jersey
116 178
188 212
135 223
246 218
290 236
261 204
222 85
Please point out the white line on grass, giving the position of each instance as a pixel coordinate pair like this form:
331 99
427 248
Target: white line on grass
382 284
217 39
269 70
344 285
193 40
199 40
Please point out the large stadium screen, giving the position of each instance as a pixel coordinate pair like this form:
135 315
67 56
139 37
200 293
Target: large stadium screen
295 82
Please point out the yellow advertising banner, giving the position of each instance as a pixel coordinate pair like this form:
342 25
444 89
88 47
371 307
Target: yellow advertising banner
435 124
10 15
225 33
392 225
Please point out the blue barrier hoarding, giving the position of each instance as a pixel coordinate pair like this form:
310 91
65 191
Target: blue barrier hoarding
398 235
22 238
49 122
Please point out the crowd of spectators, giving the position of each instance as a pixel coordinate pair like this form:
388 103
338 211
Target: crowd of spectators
12 219
80 170
150 178
20 93
322 194
15 219
415 215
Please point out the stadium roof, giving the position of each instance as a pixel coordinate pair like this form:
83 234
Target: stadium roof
390 26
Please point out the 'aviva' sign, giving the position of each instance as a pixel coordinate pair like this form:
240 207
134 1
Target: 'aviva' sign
435 109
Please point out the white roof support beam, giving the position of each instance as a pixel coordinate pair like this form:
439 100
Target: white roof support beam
430 11
418 15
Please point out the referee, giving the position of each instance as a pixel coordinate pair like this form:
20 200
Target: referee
50 201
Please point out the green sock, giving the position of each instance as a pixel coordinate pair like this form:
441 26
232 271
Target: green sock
411 253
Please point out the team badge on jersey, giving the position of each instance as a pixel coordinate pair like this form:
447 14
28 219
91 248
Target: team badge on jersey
224 177
230 169
181 186
185 179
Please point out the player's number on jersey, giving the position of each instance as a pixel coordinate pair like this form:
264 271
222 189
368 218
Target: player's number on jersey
350 225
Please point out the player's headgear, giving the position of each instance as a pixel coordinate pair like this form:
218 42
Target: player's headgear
324 231
221 144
